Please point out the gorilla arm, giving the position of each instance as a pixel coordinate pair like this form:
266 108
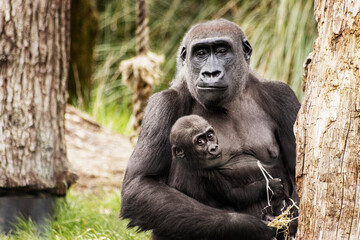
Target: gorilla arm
283 106
150 204
247 182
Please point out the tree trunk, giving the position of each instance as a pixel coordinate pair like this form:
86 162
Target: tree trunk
34 54
328 127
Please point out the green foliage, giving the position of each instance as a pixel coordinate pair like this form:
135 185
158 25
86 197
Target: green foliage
83 216
282 33
24 230
84 26
110 99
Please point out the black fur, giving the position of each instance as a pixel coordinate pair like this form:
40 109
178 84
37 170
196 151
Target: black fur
238 185
251 117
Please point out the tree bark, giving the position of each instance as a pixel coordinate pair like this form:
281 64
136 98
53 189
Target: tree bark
328 127
34 54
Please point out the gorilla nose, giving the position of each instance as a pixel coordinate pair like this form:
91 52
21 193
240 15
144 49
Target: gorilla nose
213 149
212 76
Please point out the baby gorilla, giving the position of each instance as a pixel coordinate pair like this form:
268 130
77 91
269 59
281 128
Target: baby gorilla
234 185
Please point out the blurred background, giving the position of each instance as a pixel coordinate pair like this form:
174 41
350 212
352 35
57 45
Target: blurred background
281 32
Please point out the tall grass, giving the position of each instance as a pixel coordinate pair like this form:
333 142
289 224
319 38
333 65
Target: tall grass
83 216
281 32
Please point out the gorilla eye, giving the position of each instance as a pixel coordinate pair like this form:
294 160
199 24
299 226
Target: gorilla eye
222 50
210 135
201 53
201 141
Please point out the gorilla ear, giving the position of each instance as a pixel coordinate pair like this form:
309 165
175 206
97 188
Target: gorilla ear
183 53
247 49
178 152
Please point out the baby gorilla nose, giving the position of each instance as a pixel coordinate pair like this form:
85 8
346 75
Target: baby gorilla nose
213 149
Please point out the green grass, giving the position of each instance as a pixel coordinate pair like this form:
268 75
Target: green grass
282 33
84 216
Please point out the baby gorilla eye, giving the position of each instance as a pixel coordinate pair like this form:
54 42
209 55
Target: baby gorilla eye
201 141
210 135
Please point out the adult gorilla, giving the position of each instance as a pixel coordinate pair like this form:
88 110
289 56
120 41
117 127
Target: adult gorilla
250 116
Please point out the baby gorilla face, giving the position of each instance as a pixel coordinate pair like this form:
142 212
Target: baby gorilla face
207 150
194 142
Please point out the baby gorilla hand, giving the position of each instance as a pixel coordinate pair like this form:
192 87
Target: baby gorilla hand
277 188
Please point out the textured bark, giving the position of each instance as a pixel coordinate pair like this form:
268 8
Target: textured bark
328 127
34 52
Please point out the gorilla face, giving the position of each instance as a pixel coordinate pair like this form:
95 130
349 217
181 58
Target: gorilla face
215 64
194 143
209 59
207 151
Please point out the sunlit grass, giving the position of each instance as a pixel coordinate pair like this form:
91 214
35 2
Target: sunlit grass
111 100
83 216
282 33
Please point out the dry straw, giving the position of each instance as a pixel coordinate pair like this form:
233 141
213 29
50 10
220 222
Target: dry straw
283 221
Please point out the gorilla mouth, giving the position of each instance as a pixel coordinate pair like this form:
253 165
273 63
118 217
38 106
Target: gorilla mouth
212 88
215 157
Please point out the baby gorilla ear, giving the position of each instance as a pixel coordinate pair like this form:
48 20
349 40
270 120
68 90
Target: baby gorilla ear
178 152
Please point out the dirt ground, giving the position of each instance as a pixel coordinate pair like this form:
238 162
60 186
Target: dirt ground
97 155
